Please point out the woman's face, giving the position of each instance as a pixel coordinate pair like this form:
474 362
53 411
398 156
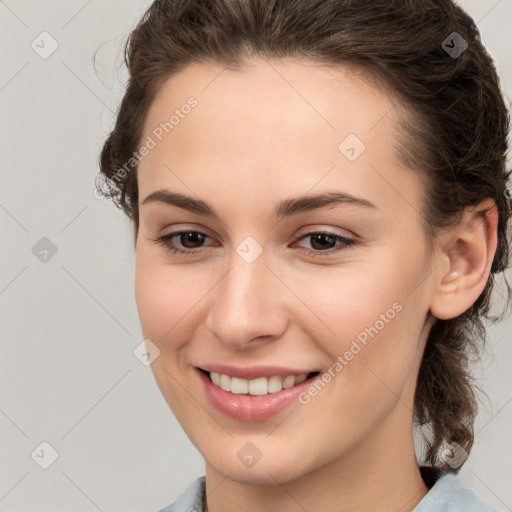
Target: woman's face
267 289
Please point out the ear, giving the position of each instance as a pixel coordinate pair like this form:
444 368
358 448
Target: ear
465 254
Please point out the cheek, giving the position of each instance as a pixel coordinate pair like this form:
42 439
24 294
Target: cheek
366 315
150 297
164 297
349 298
168 299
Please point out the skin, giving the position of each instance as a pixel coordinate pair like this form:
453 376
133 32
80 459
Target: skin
260 135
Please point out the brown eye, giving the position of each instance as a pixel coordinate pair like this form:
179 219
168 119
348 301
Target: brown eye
191 239
324 243
183 242
321 241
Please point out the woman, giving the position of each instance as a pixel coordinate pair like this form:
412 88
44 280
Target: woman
318 194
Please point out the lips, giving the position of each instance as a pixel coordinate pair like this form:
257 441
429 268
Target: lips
259 406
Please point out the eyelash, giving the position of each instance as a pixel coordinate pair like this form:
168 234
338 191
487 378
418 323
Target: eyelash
164 241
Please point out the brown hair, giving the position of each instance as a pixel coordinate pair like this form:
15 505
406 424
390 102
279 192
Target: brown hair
455 135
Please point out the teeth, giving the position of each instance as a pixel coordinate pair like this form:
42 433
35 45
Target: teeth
275 384
238 386
300 378
215 378
288 382
260 386
257 386
225 382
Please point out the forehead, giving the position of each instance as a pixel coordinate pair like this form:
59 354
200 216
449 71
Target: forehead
272 125
284 102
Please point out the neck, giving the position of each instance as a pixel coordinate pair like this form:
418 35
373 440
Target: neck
380 474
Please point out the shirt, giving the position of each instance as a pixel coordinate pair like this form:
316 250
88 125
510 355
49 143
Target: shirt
446 495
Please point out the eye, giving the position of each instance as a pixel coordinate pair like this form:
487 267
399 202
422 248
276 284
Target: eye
188 242
191 240
324 243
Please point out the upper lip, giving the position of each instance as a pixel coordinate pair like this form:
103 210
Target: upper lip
253 372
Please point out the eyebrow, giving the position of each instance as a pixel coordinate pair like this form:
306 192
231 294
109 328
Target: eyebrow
285 208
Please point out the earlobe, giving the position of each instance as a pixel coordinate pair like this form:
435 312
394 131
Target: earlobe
467 252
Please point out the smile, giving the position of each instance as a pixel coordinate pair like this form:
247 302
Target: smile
259 386
262 395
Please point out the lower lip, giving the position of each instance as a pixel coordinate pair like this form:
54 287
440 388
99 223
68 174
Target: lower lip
251 407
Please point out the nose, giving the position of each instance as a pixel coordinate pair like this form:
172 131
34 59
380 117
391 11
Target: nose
248 305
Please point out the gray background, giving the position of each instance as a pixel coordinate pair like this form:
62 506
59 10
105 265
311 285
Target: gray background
70 324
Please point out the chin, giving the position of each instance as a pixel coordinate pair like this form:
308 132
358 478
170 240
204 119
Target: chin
262 473
269 469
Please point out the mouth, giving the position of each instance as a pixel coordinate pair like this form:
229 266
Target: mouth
259 386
